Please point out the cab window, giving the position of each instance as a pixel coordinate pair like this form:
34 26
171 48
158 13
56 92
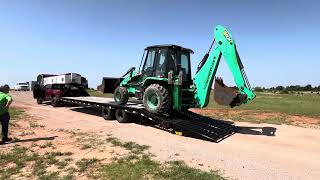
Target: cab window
161 63
148 65
184 63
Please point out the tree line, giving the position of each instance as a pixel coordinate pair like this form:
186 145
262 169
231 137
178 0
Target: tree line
287 89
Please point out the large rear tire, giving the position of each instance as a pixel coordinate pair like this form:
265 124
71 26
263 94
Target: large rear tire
121 95
122 116
156 99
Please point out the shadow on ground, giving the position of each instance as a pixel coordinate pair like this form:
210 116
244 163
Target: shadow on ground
33 139
87 110
265 131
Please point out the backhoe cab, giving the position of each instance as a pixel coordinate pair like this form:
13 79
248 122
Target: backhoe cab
164 81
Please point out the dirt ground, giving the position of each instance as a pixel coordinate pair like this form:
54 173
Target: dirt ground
292 153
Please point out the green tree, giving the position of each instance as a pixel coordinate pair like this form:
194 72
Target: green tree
307 88
279 88
258 89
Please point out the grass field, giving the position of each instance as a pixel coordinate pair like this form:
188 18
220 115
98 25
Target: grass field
292 109
16 113
291 104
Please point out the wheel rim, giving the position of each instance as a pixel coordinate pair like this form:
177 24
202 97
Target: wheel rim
106 112
117 96
120 114
153 100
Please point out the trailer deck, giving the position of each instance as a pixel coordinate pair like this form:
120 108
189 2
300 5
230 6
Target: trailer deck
103 101
184 123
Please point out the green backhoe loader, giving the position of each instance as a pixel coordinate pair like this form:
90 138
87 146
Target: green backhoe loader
164 81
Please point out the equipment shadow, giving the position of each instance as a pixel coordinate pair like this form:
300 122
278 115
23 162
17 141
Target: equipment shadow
263 131
248 130
34 139
89 110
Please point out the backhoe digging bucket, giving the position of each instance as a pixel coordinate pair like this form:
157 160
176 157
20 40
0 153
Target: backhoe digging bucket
227 96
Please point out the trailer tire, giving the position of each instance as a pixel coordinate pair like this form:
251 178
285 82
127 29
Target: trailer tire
156 99
39 100
55 102
107 113
122 116
121 95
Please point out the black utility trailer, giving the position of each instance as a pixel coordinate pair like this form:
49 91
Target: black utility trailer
184 123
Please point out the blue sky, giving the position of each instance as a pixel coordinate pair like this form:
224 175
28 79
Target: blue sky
278 41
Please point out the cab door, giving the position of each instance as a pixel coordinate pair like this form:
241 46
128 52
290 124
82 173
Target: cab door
184 65
161 69
148 67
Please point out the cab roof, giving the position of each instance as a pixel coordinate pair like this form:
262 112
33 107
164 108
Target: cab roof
170 46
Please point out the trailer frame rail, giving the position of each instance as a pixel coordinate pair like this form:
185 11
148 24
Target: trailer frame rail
185 123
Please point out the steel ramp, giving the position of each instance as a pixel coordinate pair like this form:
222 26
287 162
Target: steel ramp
202 127
194 125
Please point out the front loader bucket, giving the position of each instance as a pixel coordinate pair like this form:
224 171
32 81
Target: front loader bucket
227 96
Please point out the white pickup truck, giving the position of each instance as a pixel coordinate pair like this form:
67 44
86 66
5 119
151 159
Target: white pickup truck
21 87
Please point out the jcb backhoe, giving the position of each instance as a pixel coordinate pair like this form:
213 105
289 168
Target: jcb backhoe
164 81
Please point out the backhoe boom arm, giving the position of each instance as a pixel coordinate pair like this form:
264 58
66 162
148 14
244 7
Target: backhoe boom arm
203 79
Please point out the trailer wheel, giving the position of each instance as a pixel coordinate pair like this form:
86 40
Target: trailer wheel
108 114
122 116
121 95
39 101
55 102
156 99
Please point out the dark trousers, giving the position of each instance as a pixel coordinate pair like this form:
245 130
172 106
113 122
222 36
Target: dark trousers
5 118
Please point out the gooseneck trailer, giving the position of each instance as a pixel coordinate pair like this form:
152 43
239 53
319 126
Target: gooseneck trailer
165 89
185 123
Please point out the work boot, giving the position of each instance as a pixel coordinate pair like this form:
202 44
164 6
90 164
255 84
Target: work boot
6 140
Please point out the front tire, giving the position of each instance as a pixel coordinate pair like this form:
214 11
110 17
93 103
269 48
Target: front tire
39 101
55 102
121 95
156 99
